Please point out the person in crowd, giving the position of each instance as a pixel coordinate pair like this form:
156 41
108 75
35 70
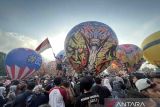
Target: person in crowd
155 77
7 84
136 76
148 88
102 91
21 87
57 95
136 96
127 82
20 100
70 94
118 88
41 96
77 89
12 93
88 98
106 83
3 100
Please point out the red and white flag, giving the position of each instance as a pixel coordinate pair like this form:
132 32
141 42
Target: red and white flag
43 46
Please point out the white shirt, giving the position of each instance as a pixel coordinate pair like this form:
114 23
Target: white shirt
107 84
56 99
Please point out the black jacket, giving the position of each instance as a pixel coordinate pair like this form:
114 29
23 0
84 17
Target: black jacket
103 93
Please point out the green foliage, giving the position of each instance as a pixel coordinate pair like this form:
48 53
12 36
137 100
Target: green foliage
2 66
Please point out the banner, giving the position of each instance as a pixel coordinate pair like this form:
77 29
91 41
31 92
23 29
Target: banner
43 46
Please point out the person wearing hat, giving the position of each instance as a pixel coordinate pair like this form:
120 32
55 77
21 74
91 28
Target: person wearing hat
148 88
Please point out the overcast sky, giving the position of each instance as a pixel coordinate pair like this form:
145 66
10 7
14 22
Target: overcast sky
26 23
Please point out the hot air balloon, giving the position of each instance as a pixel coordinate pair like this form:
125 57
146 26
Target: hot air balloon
22 62
59 59
90 46
151 48
61 55
130 56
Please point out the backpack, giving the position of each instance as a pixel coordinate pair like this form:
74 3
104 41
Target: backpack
30 100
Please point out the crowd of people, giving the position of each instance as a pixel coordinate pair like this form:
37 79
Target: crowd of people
82 91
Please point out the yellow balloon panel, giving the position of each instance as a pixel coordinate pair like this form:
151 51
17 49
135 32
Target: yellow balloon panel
152 55
153 37
151 48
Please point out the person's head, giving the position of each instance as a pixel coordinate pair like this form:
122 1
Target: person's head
38 89
15 82
45 81
13 88
136 76
21 87
148 88
65 84
30 85
1 84
98 80
58 81
86 83
2 91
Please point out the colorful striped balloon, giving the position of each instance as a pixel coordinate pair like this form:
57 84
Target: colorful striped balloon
22 62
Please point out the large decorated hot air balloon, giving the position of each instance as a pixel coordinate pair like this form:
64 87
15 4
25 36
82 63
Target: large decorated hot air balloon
22 62
151 48
90 46
130 56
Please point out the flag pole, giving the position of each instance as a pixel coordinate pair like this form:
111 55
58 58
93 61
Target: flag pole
56 62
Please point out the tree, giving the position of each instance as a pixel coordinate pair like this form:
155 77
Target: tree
2 66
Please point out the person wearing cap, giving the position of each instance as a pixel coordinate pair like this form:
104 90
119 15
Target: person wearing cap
148 88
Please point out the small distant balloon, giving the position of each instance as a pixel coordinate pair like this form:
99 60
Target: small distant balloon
22 62
90 46
61 55
151 48
59 60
